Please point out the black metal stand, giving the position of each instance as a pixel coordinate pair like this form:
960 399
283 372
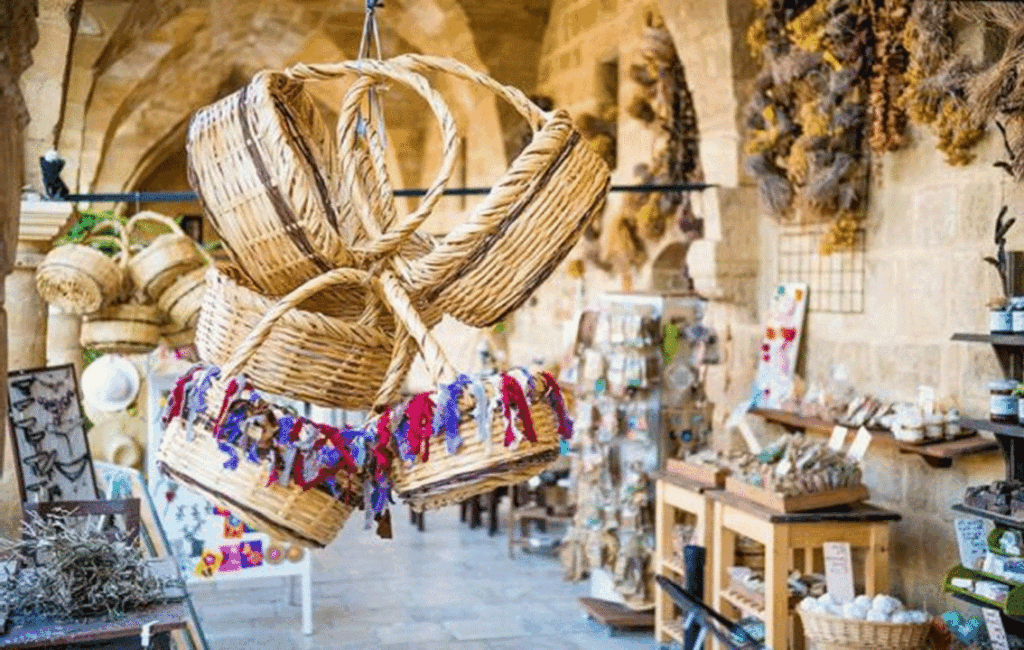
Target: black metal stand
705 619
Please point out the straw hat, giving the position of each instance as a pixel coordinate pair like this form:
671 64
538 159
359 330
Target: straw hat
110 383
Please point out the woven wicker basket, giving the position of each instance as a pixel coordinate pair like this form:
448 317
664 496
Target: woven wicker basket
489 265
80 279
827 632
183 300
160 262
261 161
122 329
173 337
345 362
308 517
477 466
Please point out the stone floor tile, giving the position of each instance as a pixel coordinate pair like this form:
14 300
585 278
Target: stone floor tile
486 629
410 632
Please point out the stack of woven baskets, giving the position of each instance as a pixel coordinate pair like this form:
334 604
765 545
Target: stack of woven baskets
331 295
131 290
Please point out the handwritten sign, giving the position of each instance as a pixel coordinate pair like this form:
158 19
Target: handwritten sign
972 539
859 448
996 631
838 438
50 446
838 571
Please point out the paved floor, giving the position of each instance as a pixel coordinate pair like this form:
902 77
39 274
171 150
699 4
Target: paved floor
448 587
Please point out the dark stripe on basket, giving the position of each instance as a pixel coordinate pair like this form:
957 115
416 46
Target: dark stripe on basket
284 213
198 285
473 259
193 180
300 142
476 475
538 278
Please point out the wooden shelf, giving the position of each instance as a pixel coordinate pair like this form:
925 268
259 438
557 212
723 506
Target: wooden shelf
744 604
937 454
994 516
1002 340
1015 430
673 567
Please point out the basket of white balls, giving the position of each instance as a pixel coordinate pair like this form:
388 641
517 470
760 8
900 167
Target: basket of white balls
864 624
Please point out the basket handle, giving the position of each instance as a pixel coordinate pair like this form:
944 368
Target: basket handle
152 217
118 238
434 357
259 333
372 72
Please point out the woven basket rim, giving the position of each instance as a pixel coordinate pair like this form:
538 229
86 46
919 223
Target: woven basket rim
859 622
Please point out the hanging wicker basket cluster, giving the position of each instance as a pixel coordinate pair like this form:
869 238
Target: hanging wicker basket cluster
332 294
133 294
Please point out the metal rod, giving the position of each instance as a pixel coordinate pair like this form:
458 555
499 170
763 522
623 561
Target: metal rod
179 197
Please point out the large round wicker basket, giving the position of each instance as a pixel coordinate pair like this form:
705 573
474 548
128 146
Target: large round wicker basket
122 329
183 300
80 279
308 517
163 260
339 362
825 632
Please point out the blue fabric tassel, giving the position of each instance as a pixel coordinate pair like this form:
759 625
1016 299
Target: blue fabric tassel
450 411
483 410
232 461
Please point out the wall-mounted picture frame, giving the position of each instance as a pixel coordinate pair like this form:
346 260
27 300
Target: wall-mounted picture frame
47 425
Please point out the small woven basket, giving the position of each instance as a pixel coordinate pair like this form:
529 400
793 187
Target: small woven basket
514 239
183 300
340 362
307 517
163 260
826 632
80 279
122 329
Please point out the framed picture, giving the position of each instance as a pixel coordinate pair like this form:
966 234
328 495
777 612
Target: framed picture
51 450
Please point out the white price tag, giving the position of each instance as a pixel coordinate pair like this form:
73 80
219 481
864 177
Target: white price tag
838 438
838 571
972 540
996 631
860 445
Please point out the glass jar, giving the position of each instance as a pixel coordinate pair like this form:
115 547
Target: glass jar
1017 315
1002 405
1000 321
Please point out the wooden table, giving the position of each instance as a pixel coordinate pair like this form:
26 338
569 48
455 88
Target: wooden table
164 619
785 536
676 494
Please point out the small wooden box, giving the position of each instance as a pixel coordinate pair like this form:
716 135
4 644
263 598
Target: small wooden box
800 502
704 474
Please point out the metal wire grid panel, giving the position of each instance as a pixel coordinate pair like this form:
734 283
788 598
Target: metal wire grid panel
835 282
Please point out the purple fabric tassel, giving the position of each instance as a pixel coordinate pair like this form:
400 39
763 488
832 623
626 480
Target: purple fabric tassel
483 411
449 411
232 461
284 431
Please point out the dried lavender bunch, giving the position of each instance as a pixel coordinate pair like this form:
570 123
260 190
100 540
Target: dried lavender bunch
65 570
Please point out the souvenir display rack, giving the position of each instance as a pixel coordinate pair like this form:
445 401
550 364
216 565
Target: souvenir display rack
620 438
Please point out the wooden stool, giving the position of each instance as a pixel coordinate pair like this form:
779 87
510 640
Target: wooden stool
783 535
675 493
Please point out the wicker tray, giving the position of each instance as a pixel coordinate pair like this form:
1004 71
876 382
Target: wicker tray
826 632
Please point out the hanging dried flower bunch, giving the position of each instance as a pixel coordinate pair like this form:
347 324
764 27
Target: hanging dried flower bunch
807 116
663 104
888 116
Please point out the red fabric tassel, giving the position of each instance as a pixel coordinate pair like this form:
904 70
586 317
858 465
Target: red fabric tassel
558 404
233 387
176 403
512 393
383 438
421 424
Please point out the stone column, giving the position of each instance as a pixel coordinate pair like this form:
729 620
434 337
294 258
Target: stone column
27 312
62 340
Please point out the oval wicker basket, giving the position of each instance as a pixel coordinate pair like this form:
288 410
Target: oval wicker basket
477 466
183 300
514 239
174 337
340 362
261 161
80 279
307 517
827 632
122 329
162 261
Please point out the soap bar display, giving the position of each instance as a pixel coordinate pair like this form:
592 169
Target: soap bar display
1001 497
794 465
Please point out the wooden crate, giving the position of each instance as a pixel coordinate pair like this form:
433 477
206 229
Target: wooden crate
704 474
799 503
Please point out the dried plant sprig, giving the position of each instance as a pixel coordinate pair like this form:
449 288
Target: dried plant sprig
66 570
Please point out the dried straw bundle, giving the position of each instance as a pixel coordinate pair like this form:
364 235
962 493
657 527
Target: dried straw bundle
68 571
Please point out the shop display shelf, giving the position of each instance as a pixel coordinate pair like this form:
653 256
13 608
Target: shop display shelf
1001 340
1009 522
747 606
1004 428
939 454
673 567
